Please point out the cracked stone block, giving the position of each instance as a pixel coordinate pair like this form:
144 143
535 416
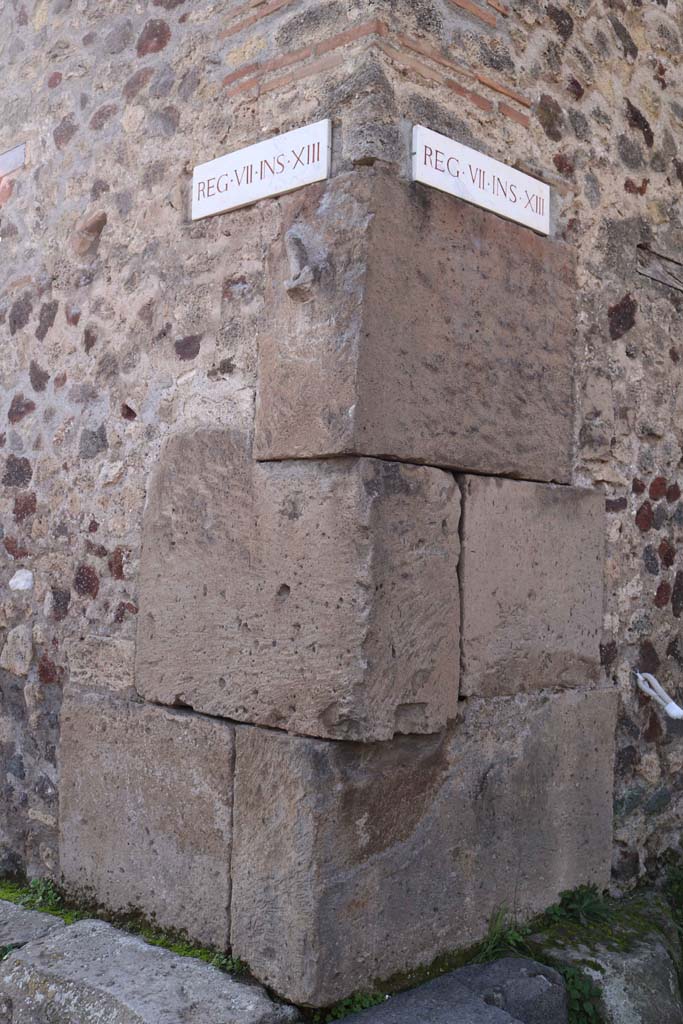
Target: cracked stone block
319 597
432 332
352 862
19 926
532 585
146 812
90 973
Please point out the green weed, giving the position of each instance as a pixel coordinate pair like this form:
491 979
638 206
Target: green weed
583 997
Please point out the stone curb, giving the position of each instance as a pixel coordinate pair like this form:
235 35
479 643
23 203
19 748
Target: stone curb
90 972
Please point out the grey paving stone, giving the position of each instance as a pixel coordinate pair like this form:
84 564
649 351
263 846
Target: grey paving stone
19 926
443 1001
530 991
90 973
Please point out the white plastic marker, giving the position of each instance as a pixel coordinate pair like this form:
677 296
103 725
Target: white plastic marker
651 686
269 168
463 172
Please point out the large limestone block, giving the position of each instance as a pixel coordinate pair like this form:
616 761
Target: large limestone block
146 812
91 973
352 862
317 597
532 585
428 330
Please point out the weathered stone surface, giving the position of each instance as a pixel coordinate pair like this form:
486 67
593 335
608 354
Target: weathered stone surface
318 597
19 926
443 1001
91 973
638 985
529 991
531 573
101 663
456 353
353 862
148 825
18 650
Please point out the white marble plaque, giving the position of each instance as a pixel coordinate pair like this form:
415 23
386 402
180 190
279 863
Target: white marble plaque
463 172
12 160
269 168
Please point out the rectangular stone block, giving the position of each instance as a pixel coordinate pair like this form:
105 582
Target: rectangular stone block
146 812
317 597
531 575
406 323
353 862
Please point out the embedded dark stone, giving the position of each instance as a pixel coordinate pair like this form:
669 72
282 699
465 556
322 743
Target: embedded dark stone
48 673
65 131
20 408
86 581
101 116
627 866
663 595
168 5
658 488
549 113
651 560
14 549
653 730
20 313
115 563
564 164
637 486
575 89
24 506
155 37
616 504
18 472
61 600
637 120
46 319
644 517
89 339
630 152
93 442
673 493
622 316
660 517
188 348
562 20
38 376
677 596
137 82
659 801
623 35
649 659
608 653
164 122
636 190
123 607
667 553
127 412
98 550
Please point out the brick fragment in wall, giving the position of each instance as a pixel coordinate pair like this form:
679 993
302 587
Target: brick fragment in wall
148 826
315 596
428 370
354 861
531 574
